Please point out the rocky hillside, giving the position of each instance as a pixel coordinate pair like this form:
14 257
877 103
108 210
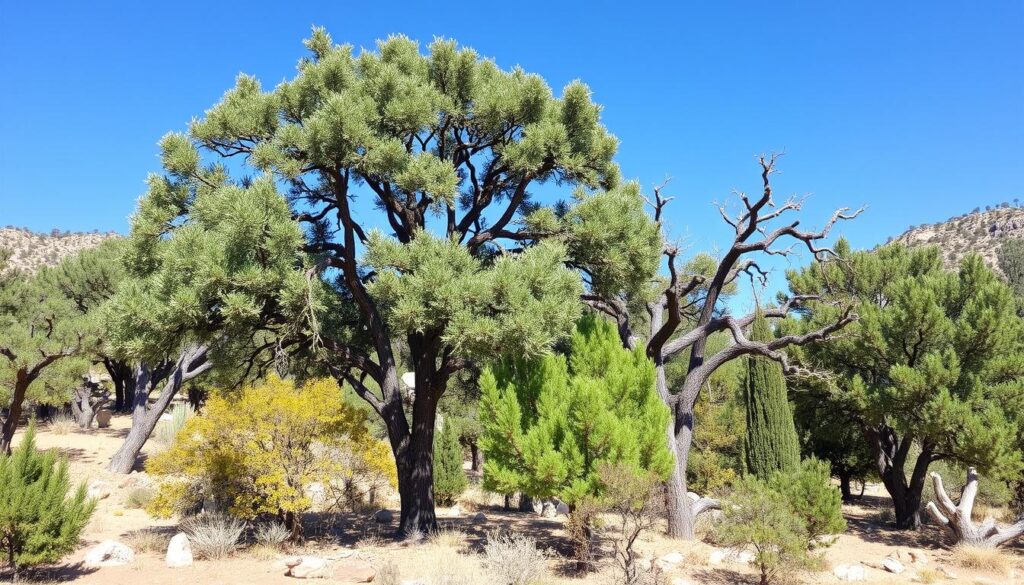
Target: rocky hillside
31 251
979 231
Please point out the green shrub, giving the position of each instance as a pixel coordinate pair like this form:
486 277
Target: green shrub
449 477
810 494
759 517
39 523
139 497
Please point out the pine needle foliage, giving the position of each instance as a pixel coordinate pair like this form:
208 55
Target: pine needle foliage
549 424
39 522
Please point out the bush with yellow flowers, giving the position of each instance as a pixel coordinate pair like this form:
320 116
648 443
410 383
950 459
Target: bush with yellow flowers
257 450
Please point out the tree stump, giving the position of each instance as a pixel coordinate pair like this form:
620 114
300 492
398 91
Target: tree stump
987 534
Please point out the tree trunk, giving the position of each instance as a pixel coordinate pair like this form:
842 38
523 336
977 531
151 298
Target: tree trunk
525 503
10 424
476 457
416 477
144 417
844 487
681 521
891 457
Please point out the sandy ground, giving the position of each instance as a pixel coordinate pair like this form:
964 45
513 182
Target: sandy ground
457 552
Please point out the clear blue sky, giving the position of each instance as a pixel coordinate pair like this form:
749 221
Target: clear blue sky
915 109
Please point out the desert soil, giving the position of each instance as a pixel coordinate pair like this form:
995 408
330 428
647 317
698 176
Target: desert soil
458 551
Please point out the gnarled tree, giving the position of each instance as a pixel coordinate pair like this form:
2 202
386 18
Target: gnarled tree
957 517
440 150
686 311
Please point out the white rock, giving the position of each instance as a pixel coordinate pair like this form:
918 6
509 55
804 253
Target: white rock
98 490
854 572
744 556
108 553
179 551
549 510
672 558
384 516
717 556
893 566
562 508
455 510
308 568
680 581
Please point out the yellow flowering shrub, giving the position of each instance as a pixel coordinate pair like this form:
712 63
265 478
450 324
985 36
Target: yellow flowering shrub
256 451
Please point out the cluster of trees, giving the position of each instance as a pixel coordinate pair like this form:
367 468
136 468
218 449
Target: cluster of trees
378 218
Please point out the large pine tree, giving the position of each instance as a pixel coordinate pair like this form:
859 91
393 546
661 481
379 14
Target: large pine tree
771 443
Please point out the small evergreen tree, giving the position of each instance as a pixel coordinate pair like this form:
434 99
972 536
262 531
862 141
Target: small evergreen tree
771 443
449 477
811 495
1011 262
39 523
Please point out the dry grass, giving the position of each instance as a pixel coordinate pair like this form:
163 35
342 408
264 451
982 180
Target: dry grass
388 574
452 568
263 552
514 559
213 536
62 424
147 541
139 497
448 537
929 576
983 559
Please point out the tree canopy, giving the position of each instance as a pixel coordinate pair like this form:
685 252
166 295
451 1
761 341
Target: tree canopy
932 362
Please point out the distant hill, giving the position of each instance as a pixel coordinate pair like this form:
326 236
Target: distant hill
31 251
981 232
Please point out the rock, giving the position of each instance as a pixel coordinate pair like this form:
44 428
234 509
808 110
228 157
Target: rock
455 510
479 517
384 516
292 562
108 553
179 551
893 566
854 572
103 418
643 564
945 571
308 568
680 581
672 558
744 556
354 573
719 556
918 557
549 510
562 508
340 554
98 490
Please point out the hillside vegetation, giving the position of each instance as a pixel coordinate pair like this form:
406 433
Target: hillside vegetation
31 251
979 231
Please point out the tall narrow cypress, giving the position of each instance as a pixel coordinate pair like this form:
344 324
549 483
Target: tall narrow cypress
771 443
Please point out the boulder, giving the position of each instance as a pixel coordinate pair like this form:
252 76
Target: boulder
103 418
479 517
108 553
893 566
354 573
562 508
672 558
98 490
549 510
179 551
384 516
854 572
307 567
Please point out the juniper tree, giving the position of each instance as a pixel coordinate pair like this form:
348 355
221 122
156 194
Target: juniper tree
449 477
770 445
387 207
39 522
685 309
930 367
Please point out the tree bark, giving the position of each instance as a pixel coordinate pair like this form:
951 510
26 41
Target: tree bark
10 424
844 487
192 362
891 455
476 457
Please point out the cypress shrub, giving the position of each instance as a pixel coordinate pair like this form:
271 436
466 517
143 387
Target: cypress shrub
39 522
771 444
449 477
